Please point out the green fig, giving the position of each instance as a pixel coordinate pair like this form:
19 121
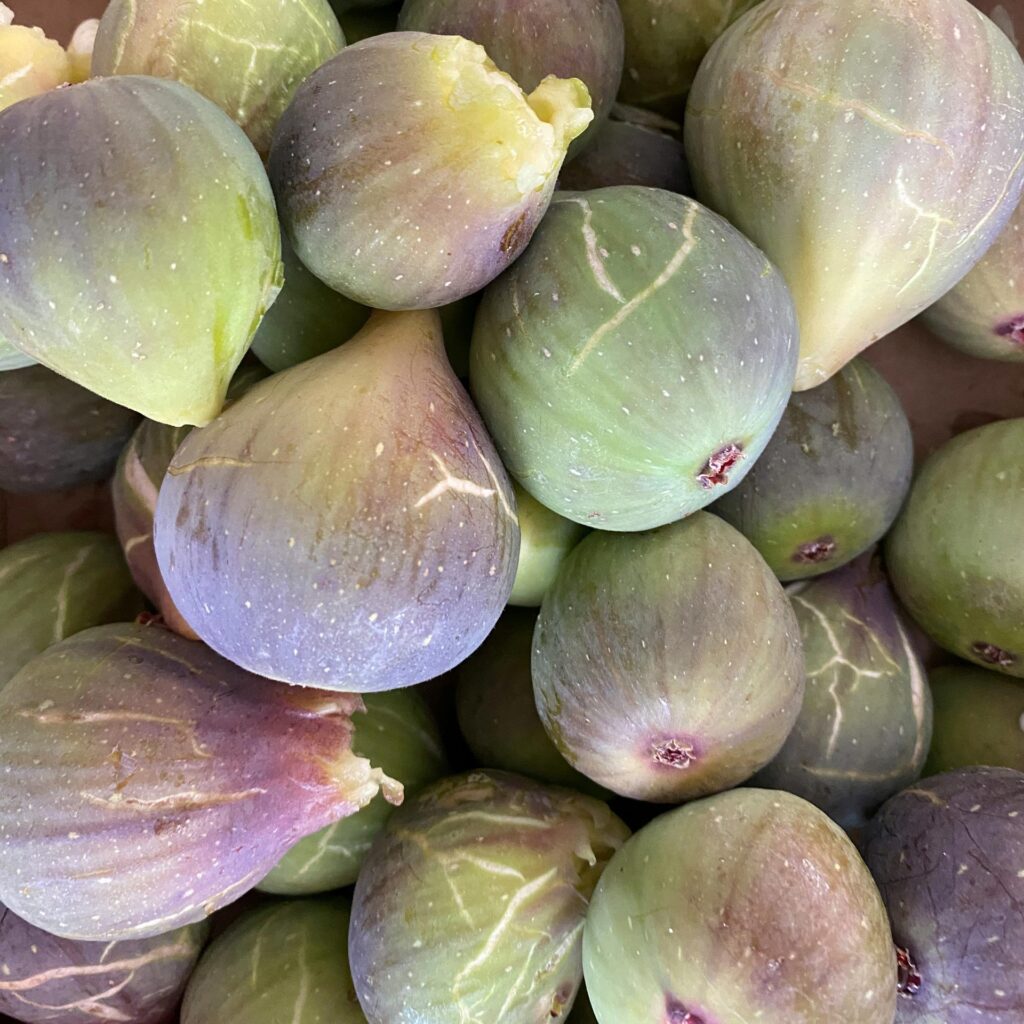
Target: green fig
667 665
874 151
955 556
832 479
634 363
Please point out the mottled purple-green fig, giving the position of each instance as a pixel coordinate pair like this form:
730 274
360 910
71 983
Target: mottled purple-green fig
358 509
832 479
866 720
54 585
947 856
633 147
398 733
667 665
979 719
531 39
247 56
420 193
287 961
55 434
874 151
470 907
955 554
546 538
49 980
142 278
634 363
363 23
498 715
665 42
747 906
149 782
30 63
12 358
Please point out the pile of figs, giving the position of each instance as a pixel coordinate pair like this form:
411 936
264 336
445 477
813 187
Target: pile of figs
515 590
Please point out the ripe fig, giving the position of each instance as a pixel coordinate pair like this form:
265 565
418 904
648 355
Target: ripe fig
149 782
247 56
874 151
955 556
749 905
30 63
286 961
55 434
142 278
667 665
947 856
633 364
832 479
470 906
49 980
418 194
359 511
866 720
12 358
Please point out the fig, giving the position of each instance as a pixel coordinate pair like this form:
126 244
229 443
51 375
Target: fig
49 980
531 39
397 732
497 713
810 121
947 857
80 49
749 905
359 510
832 479
12 358
633 364
247 56
168 255
633 147
148 782
470 906
667 665
955 556
54 585
30 63
665 42
979 719
54 434
368 180
866 721
285 961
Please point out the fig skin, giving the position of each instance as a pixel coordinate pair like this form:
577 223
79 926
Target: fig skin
633 364
285 961
367 178
149 782
832 479
866 722
748 905
247 56
667 665
905 115
396 732
49 980
12 358
947 857
470 907
978 716
170 254
54 585
54 434
531 39
954 555
358 508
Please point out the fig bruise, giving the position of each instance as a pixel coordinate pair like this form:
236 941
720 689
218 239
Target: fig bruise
748 905
149 782
667 665
358 510
874 151
633 364
947 856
